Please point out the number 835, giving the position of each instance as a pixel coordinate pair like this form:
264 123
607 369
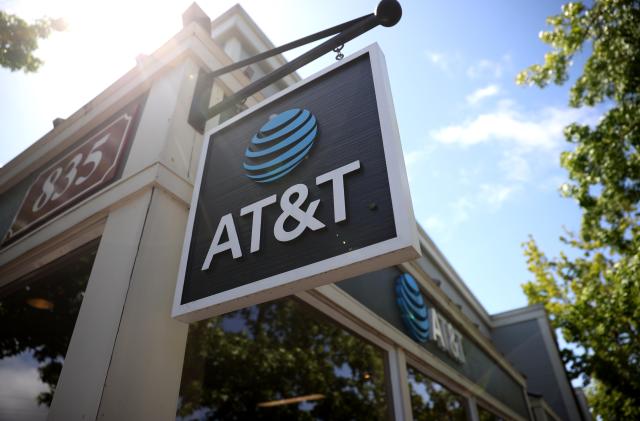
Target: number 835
57 184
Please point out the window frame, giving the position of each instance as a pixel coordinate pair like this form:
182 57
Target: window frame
447 383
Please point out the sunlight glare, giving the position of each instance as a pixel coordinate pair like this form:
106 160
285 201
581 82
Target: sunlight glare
102 39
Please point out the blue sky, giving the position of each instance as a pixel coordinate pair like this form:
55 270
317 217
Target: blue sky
482 153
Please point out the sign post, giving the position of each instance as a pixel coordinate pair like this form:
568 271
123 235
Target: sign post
307 188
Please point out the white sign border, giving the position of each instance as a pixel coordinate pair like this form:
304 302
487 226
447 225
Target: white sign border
405 246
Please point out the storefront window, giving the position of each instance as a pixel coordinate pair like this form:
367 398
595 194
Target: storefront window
432 401
280 360
486 415
37 317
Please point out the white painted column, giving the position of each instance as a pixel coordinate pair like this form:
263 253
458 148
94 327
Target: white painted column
399 384
79 389
473 409
125 357
163 134
233 48
144 375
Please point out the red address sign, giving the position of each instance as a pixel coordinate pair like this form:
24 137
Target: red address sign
86 168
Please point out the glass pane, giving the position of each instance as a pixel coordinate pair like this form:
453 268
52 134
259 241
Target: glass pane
486 415
432 401
280 360
37 317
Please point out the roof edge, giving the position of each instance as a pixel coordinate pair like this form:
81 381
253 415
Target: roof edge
517 315
237 9
457 282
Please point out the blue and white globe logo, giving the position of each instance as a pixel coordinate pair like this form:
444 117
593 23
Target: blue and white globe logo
413 309
280 145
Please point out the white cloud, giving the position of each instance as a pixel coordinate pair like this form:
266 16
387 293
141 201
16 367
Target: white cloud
443 61
414 161
505 104
412 158
527 145
482 93
21 386
488 69
495 195
515 166
485 68
433 223
488 197
517 151
531 131
461 208
436 58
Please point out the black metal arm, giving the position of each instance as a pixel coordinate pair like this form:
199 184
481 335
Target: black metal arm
388 13
286 47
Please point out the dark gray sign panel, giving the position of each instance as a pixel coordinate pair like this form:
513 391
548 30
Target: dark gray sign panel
307 188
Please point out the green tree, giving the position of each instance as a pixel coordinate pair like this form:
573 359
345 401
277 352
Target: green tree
19 40
283 349
593 293
432 401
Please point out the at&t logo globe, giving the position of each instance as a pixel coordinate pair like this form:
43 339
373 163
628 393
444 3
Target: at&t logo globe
412 307
280 145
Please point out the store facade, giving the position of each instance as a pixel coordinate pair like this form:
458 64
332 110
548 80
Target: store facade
93 218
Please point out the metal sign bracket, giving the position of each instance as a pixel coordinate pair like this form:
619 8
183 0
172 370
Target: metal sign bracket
388 13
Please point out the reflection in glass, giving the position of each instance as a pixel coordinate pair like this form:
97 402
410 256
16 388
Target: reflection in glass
486 415
277 361
37 317
432 401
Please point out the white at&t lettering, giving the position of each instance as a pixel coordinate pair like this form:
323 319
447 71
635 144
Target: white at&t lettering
337 181
226 224
303 216
293 210
256 225
446 336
